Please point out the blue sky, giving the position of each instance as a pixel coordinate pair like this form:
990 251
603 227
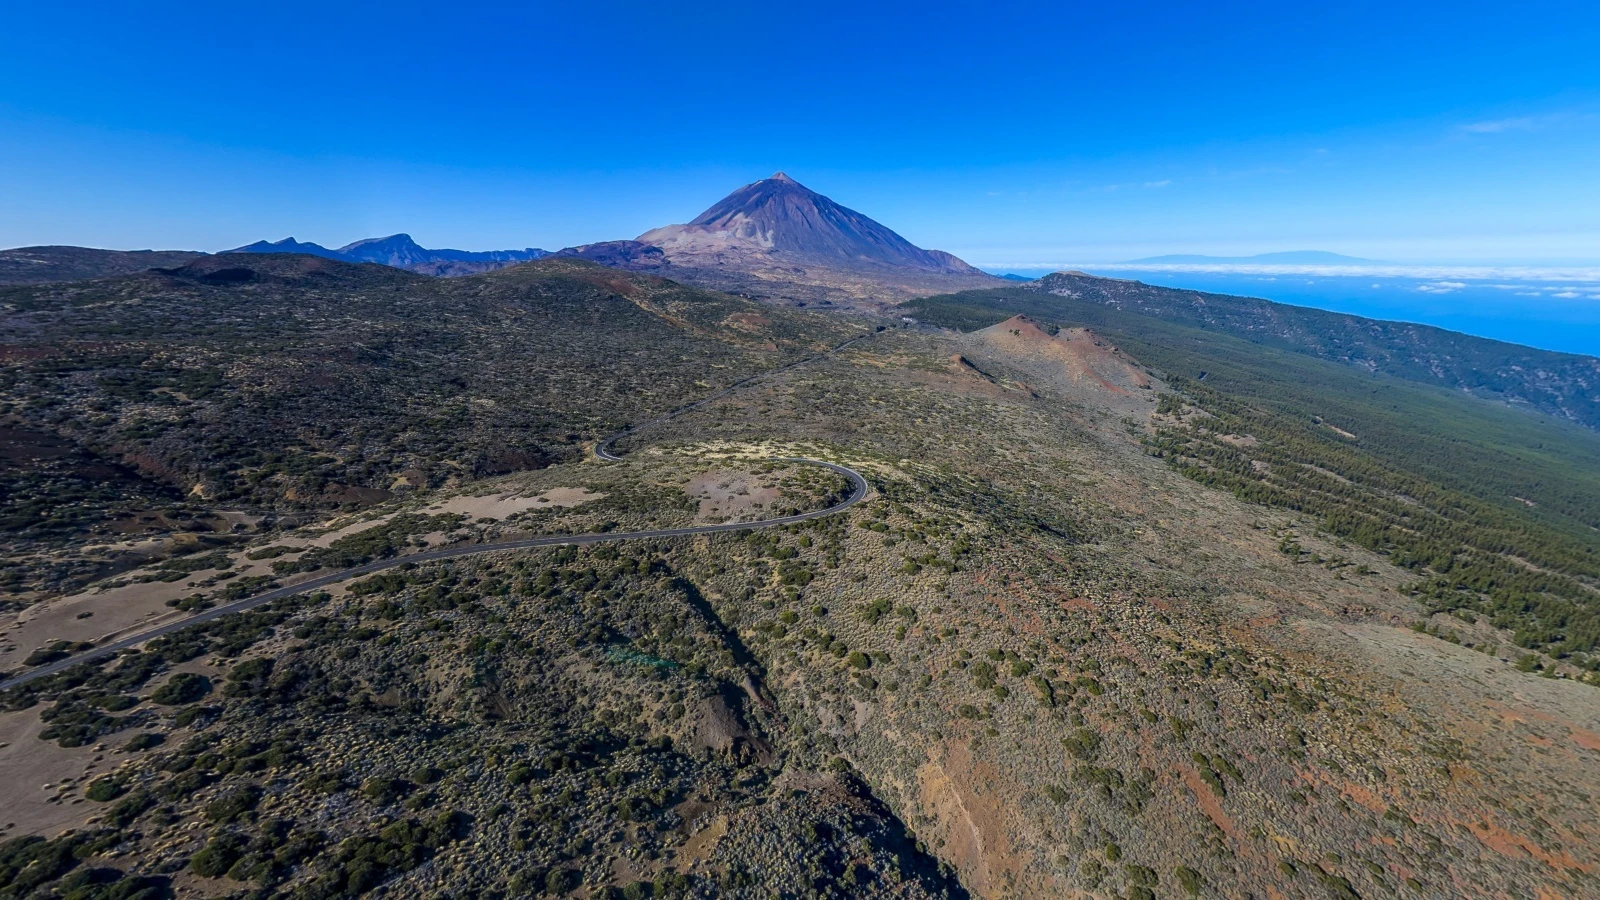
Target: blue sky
1010 135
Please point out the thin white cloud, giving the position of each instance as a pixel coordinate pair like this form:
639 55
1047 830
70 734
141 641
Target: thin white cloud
1528 123
1441 287
1554 277
1496 126
1567 295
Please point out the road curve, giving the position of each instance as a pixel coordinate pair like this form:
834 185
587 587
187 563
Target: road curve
602 450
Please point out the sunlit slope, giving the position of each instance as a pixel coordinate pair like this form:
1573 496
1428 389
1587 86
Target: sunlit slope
1498 506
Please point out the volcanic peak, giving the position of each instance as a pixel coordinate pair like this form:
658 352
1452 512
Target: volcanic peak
781 215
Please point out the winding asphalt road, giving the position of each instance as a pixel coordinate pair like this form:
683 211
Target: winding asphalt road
602 450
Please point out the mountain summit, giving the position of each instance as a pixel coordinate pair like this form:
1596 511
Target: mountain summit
395 250
780 240
781 215
289 245
401 251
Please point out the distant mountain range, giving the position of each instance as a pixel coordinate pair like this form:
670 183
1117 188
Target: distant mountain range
774 239
290 245
1286 258
401 252
41 265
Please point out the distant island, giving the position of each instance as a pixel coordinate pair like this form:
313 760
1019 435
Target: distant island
1289 257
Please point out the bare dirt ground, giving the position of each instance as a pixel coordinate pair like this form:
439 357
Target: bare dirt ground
105 612
42 790
502 506
111 611
730 496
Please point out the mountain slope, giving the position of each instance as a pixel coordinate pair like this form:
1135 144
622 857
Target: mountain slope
41 265
780 214
400 251
297 382
778 239
1443 483
631 255
1564 385
1098 631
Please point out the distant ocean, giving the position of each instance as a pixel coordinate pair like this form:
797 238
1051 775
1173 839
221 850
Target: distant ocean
1554 309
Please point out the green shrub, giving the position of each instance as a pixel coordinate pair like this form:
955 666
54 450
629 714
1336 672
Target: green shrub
217 856
876 610
126 810
1082 744
103 789
363 862
560 881
144 741
249 678
385 790
29 863
234 804
198 716
326 782
184 687
56 651
1140 875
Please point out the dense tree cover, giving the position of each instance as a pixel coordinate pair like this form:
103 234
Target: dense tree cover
1496 508
1477 556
